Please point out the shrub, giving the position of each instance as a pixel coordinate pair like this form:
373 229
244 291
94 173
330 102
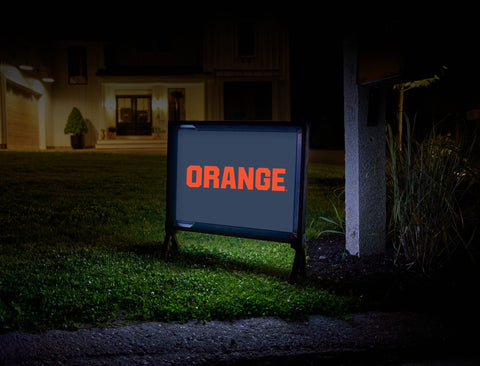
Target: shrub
75 123
425 181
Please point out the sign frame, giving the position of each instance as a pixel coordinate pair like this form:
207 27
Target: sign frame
296 237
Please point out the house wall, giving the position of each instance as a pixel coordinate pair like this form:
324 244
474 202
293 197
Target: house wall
220 47
270 62
87 98
24 109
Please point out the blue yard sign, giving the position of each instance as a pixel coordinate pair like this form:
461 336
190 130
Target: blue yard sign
243 179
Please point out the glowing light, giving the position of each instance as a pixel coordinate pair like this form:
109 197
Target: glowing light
157 103
110 103
25 67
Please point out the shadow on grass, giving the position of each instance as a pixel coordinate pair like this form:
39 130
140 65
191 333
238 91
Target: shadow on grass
214 260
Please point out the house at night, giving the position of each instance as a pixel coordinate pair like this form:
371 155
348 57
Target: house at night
133 82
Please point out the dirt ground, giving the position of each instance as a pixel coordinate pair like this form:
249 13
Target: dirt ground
403 320
383 286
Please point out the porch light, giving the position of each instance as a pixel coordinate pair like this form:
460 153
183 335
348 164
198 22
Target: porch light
157 103
110 103
48 79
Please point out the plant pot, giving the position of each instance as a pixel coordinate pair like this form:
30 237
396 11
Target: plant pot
77 141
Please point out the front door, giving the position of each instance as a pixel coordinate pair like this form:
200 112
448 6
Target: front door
134 115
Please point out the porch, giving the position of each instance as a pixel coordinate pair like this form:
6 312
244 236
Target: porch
131 143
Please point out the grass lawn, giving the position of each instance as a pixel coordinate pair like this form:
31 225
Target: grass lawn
80 234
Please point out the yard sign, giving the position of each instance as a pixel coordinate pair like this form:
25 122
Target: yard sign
243 179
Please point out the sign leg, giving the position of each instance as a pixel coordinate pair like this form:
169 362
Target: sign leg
299 264
169 237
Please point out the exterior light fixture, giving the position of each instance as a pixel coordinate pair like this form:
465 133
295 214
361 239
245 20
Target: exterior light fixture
25 67
48 79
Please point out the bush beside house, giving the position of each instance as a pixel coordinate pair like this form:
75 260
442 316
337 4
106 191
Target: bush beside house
77 127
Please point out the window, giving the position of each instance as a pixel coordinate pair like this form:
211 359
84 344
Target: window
176 104
134 115
77 65
247 101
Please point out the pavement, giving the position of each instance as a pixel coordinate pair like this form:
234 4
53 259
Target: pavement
372 338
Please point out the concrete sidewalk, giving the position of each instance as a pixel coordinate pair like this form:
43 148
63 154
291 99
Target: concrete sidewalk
372 338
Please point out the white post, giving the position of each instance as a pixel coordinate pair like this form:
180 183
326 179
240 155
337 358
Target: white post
365 194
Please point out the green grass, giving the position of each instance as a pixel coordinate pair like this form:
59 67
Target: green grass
80 235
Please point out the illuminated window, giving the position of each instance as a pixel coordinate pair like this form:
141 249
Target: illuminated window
134 115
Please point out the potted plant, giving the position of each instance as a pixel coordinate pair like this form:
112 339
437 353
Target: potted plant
77 127
111 132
